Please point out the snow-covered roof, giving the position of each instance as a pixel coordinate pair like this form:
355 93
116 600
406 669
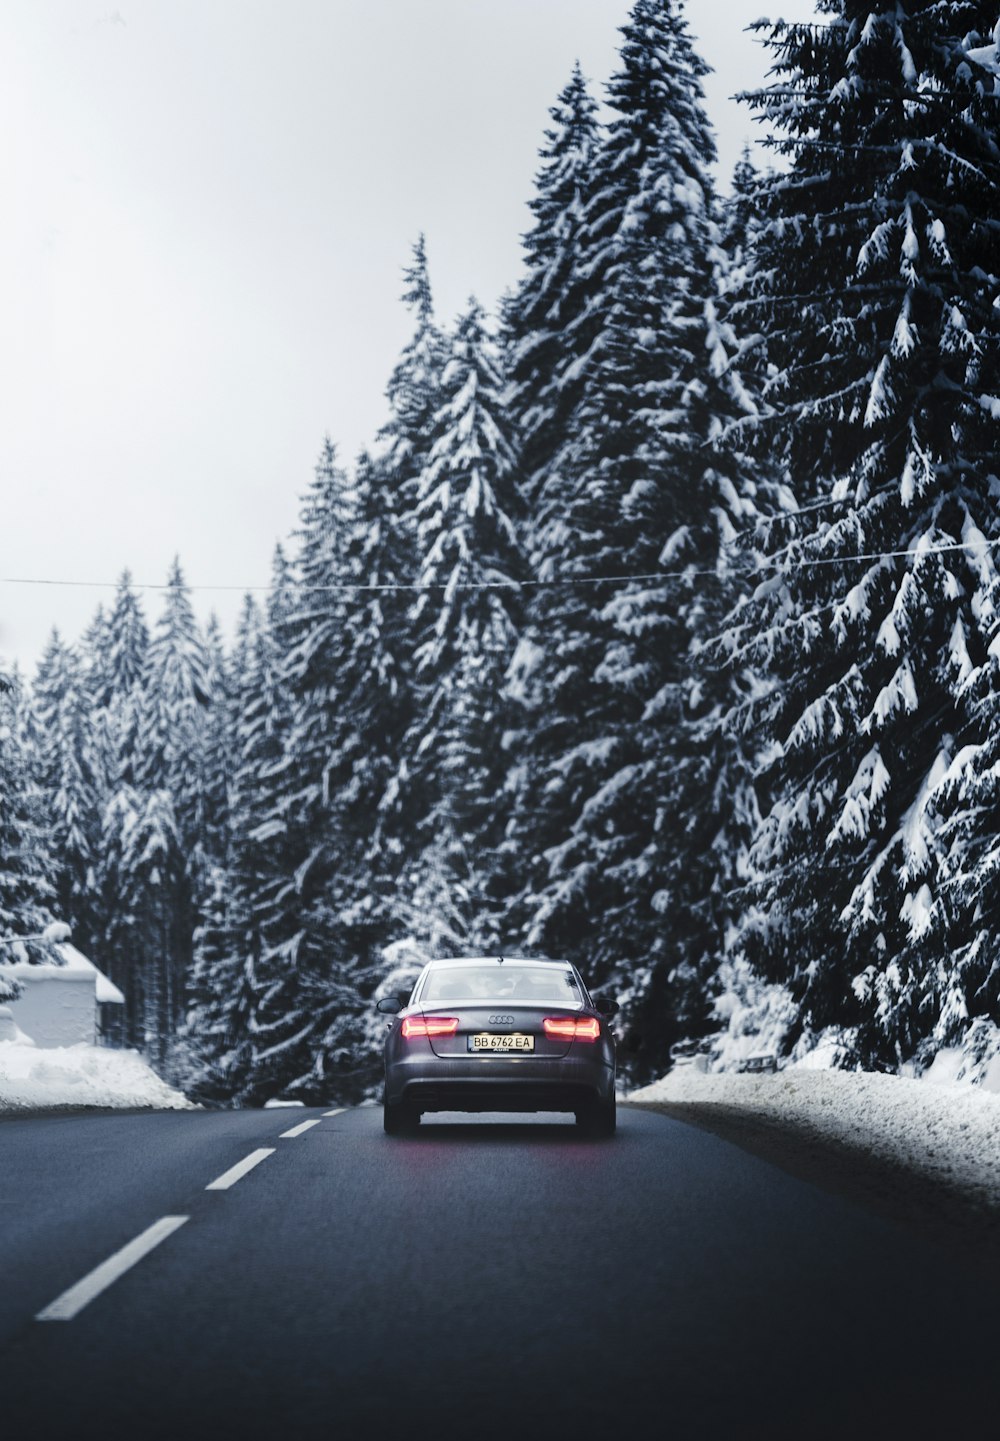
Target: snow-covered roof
107 992
75 964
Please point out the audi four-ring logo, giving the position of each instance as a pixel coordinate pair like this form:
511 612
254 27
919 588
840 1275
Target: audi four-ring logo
501 1020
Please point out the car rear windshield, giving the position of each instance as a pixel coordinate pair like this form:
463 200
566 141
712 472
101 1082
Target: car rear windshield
500 983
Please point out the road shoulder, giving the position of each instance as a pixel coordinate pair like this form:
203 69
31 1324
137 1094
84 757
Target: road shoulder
947 1215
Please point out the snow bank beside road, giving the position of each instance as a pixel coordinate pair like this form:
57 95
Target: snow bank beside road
33 1079
947 1133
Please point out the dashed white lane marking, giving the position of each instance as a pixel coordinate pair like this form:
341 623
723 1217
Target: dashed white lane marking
340 1112
298 1130
72 1302
230 1177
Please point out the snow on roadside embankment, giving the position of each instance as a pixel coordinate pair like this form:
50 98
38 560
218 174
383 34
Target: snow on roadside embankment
35 1079
946 1133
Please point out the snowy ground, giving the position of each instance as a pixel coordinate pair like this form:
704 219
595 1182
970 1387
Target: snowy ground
945 1133
32 1078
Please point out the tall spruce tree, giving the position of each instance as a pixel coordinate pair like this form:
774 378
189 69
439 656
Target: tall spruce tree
876 285
221 993
387 553
221 1034
119 646
176 699
58 719
546 315
464 625
216 751
26 868
173 816
413 391
312 990
375 710
149 933
614 760
114 653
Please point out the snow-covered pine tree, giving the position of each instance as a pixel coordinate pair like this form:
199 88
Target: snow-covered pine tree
311 991
216 1035
212 1053
685 887
113 651
877 269
118 647
720 809
217 757
57 729
546 316
143 870
176 699
171 781
114 655
413 392
25 866
387 550
375 710
464 625
963 977
220 1031
738 224
612 789
94 647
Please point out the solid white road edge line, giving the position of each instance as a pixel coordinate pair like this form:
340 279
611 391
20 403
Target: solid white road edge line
230 1177
339 1112
297 1130
72 1302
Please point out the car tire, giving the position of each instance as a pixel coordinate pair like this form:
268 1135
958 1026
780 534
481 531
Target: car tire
599 1118
399 1119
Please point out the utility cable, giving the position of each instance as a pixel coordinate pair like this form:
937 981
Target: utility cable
724 572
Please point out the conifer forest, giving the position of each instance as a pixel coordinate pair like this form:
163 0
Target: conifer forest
658 628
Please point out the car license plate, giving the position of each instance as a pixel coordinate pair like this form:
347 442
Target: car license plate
490 1041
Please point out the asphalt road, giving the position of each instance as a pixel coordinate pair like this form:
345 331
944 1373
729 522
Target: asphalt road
484 1278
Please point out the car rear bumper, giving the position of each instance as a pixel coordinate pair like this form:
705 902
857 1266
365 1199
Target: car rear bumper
499 1083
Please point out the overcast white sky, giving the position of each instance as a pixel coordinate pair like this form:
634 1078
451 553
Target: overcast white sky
208 205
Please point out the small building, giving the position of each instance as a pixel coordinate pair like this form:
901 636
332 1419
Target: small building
64 1005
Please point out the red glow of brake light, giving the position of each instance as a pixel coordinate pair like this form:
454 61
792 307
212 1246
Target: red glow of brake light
560 1027
429 1026
568 1028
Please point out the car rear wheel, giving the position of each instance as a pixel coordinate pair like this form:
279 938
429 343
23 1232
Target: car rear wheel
599 1118
399 1119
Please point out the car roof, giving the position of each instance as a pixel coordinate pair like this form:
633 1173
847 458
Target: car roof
445 962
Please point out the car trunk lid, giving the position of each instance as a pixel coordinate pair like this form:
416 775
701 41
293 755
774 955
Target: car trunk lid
496 1020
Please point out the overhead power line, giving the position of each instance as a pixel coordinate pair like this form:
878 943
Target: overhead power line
772 563
347 585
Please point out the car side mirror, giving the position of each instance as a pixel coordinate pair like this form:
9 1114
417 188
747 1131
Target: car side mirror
391 1005
606 1005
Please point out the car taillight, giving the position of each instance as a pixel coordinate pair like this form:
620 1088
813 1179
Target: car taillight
569 1028
429 1026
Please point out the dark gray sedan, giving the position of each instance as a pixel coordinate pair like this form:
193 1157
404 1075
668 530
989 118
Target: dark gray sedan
485 1033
